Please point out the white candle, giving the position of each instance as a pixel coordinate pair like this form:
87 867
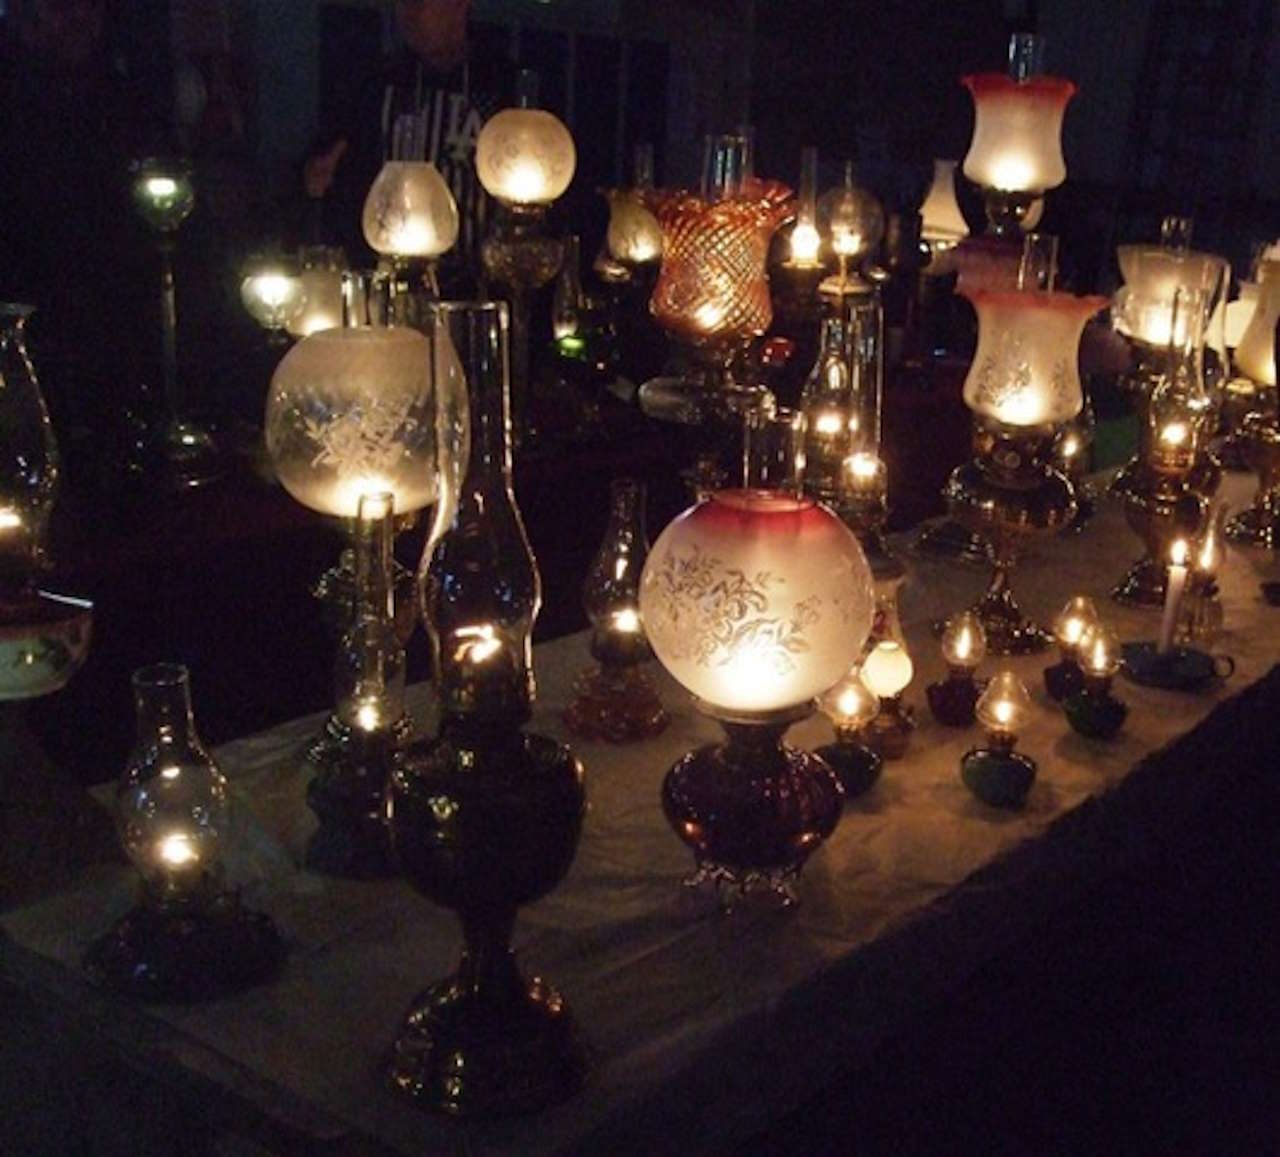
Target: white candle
1173 594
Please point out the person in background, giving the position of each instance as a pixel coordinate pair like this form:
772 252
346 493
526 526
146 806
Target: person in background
430 72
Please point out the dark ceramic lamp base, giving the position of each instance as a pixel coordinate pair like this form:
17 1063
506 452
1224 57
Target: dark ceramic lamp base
1063 679
952 700
857 767
1001 779
1177 669
618 704
186 954
1097 716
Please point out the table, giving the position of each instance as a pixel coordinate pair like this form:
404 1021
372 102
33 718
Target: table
703 1025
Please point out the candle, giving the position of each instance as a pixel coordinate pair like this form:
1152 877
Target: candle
1177 582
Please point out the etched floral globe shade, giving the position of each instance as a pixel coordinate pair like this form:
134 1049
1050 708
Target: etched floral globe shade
525 157
352 411
409 211
1017 132
1025 371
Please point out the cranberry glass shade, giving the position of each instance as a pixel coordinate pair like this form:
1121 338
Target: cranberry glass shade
756 601
712 287
1025 370
1017 132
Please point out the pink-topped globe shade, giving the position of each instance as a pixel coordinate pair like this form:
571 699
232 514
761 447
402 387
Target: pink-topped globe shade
756 602
1025 371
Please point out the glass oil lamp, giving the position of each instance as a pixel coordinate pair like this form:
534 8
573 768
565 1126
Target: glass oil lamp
853 222
851 706
1069 625
1091 709
831 415
997 774
189 938
1015 154
320 276
887 671
273 293
525 159
756 602
964 646
346 794
616 700
164 196
805 242
484 816
1022 387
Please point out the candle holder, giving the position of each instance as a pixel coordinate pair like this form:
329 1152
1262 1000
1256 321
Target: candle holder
851 706
189 938
756 601
1065 677
484 817
964 645
185 452
997 774
887 671
615 699
1091 709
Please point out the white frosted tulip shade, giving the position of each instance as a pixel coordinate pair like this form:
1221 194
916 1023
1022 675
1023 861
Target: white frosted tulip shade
1152 277
525 156
634 235
409 211
942 223
352 412
1017 132
756 601
1025 371
1256 353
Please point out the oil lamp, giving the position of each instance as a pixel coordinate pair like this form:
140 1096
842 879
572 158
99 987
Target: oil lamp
633 237
321 272
1069 626
1016 151
525 159
273 293
616 700
851 706
1022 386
484 816
887 671
853 222
756 602
189 938
964 646
805 242
1091 709
997 774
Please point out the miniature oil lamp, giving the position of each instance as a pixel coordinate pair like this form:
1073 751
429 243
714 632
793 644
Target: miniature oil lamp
1093 710
1063 677
887 671
851 705
997 774
964 645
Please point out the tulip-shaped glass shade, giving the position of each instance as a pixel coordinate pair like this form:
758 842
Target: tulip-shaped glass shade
171 803
633 236
887 670
1017 132
964 641
942 223
1152 277
1076 617
1025 371
851 218
163 192
525 156
756 601
409 211
1240 313
850 704
272 291
321 280
1005 706
352 411
1099 651
1256 353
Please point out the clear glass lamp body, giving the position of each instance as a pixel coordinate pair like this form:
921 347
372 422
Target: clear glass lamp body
409 211
756 602
1017 132
1025 370
352 411
321 280
525 156
611 593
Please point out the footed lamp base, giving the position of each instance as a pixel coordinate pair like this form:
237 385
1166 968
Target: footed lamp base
617 704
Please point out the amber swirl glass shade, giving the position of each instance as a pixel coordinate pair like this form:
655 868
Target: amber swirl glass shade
1017 132
525 156
1256 353
409 211
712 287
756 601
1025 371
1152 276
352 412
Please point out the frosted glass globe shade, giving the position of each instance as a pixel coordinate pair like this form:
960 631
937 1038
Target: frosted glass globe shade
525 156
409 211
